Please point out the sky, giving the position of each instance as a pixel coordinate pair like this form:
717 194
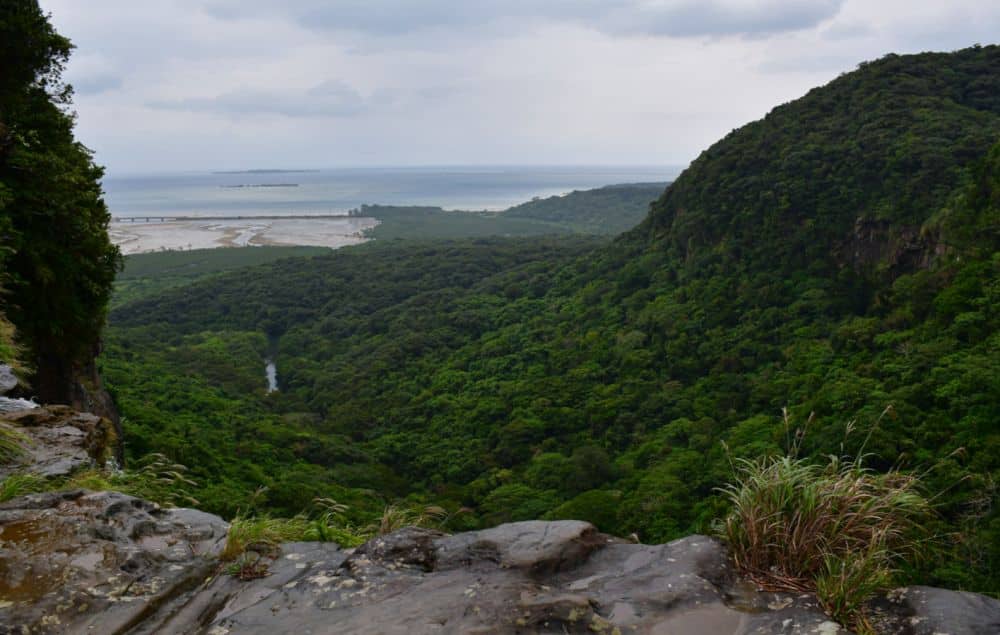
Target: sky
178 85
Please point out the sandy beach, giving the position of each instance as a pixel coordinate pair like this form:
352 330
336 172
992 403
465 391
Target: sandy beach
137 238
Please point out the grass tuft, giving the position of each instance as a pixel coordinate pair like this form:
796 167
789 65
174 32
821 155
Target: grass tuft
12 444
252 538
154 478
839 530
395 517
260 534
20 484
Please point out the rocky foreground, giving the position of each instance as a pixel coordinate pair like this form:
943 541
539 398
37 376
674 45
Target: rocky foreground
103 562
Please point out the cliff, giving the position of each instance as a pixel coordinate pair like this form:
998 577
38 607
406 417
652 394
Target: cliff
77 561
57 262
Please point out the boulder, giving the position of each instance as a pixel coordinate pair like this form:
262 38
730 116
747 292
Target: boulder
922 610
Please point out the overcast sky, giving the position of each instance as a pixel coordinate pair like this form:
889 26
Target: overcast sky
237 84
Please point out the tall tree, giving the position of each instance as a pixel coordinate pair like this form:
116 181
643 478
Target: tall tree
58 263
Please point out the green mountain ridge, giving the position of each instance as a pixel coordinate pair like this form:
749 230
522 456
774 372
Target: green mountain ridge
603 211
838 258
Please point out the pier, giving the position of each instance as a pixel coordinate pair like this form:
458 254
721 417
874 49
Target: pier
181 219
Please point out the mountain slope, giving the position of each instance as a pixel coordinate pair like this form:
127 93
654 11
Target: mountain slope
885 144
838 258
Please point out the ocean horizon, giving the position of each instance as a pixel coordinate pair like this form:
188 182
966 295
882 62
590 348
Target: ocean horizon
280 192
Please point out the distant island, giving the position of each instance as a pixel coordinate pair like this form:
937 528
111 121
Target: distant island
260 185
264 171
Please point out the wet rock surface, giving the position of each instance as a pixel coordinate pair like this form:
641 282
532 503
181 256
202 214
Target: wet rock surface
921 610
79 562
107 563
59 441
531 577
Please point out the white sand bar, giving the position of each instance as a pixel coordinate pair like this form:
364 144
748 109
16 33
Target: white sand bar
137 238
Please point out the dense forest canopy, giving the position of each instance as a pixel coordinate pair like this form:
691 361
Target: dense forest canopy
838 257
603 211
57 263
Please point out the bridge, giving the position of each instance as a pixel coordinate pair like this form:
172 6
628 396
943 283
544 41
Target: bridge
181 219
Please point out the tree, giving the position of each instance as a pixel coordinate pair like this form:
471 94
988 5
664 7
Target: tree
58 263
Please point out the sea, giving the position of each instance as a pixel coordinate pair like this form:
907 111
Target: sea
270 192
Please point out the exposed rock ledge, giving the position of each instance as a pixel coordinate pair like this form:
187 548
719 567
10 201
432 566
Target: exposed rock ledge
81 562
59 441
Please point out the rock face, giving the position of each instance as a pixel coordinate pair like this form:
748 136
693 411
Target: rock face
59 441
78 562
108 563
530 577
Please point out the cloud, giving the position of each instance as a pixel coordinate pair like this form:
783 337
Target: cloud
173 84
671 18
96 84
332 98
721 17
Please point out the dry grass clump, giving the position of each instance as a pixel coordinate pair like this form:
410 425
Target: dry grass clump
155 478
838 529
253 539
395 517
261 534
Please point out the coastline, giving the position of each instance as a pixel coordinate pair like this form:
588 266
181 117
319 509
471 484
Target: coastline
137 238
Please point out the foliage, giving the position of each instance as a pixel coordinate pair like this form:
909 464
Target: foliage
849 581
12 443
422 223
604 211
836 256
888 143
611 209
395 517
331 525
56 259
200 398
838 529
19 484
10 351
154 477
262 534
147 274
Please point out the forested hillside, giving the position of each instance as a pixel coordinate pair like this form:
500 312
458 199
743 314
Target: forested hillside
839 257
612 209
603 211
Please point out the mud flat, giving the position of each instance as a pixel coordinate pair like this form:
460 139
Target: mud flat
137 238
